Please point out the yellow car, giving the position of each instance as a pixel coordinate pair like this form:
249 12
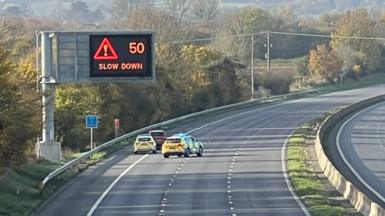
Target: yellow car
144 143
182 144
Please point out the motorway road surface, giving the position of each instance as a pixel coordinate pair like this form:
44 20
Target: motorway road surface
362 144
240 173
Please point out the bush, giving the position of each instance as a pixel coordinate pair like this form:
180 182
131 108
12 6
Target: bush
278 82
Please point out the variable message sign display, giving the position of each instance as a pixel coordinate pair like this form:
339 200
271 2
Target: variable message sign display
129 55
84 57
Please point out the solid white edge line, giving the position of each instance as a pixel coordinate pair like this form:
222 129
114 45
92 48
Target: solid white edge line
343 155
105 193
287 179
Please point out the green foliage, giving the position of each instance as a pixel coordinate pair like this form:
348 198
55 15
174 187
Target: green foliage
18 107
73 103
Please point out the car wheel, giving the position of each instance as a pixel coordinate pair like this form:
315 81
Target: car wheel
166 156
187 154
154 151
135 152
200 152
179 155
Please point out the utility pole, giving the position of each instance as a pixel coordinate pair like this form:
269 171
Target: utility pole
268 46
252 67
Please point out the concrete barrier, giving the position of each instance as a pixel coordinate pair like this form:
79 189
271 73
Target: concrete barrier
358 199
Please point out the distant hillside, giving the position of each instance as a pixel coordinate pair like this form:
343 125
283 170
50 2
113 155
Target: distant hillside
300 7
308 7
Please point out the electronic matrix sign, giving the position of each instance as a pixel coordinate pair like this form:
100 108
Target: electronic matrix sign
121 56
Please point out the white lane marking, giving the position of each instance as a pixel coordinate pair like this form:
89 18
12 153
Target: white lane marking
287 180
378 137
263 128
105 193
97 203
239 114
343 155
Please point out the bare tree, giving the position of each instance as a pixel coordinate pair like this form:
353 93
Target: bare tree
205 9
178 9
119 9
122 9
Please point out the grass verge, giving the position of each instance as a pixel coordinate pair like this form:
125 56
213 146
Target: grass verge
305 181
19 190
20 187
372 79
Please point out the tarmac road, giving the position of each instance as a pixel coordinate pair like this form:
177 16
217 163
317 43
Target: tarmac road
360 150
242 171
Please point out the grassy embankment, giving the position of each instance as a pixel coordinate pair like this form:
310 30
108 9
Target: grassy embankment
20 190
305 181
373 79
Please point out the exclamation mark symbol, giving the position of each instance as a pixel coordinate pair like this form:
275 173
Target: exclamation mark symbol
105 47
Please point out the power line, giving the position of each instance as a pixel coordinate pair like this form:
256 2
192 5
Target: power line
213 38
274 32
328 36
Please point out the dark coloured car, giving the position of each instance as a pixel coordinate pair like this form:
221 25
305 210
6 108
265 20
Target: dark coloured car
159 137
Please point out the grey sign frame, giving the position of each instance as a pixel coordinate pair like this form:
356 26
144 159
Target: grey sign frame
71 57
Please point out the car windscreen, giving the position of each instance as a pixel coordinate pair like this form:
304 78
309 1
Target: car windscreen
176 140
142 139
157 134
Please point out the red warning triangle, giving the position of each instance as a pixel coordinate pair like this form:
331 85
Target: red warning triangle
105 51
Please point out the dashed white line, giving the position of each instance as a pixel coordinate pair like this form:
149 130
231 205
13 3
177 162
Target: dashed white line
105 193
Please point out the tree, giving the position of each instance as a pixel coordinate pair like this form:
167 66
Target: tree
80 13
206 10
15 37
325 62
18 109
358 23
14 10
73 103
178 9
119 10
245 21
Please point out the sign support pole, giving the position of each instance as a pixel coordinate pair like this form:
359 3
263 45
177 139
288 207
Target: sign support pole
48 148
92 139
